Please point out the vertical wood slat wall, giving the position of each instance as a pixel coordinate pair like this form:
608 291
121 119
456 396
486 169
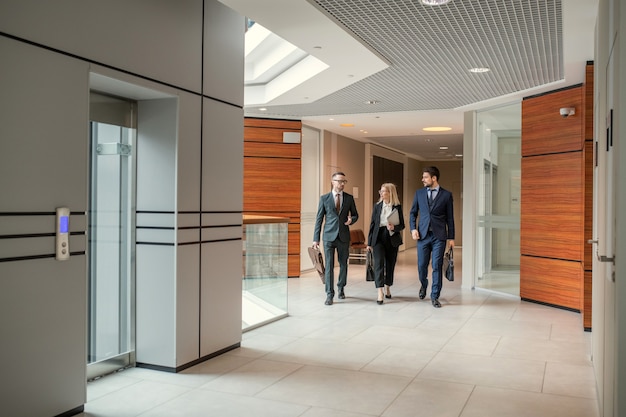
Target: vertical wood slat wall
589 168
557 180
272 177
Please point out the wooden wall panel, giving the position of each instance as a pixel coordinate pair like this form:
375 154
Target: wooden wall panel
271 185
272 178
588 212
280 124
556 182
586 293
544 130
552 206
551 281
588 101
276 150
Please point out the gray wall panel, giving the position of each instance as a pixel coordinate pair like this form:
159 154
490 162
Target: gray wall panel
159 39
188 303
43 120
222 150
43 165
189 157
156 155
220 296
223 77
156 305
43 317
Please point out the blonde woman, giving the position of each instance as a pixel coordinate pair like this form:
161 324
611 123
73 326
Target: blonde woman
385 237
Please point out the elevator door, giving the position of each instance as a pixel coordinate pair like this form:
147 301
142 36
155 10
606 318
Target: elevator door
111 237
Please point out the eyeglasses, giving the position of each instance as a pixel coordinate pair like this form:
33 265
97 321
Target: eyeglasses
341 181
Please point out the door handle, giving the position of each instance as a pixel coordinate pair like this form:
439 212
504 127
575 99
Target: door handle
603 258
591 241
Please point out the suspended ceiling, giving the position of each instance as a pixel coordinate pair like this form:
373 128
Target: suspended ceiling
396 66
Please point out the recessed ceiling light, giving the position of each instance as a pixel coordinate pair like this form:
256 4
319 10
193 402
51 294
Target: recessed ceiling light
434 2
459 155
263 109
478 70
443 148
436 129
372 102
347 125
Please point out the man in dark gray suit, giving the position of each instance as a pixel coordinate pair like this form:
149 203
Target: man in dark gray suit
435 229
339 210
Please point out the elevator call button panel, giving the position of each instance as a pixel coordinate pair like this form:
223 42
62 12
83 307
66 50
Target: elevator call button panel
63 234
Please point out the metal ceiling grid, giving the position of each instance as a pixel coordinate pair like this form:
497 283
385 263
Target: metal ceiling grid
432 48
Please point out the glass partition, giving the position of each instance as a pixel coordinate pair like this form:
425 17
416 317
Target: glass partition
499 188
265 270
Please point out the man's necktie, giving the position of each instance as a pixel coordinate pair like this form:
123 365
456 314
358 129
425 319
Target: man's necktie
337 202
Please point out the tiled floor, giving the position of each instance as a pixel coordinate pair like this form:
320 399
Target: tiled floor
480 355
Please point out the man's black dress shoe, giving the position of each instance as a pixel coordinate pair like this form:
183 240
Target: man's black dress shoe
342 295
436 303
329 301
422 293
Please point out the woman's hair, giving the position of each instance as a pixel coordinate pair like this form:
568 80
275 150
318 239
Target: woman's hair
393 193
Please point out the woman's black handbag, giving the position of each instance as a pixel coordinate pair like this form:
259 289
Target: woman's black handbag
369 266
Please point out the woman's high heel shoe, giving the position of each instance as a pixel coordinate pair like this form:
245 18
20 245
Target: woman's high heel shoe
379 302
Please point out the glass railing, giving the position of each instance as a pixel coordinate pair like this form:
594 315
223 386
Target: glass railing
264 297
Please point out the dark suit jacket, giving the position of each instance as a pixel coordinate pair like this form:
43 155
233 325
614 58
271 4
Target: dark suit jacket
440 218
372 236
334 225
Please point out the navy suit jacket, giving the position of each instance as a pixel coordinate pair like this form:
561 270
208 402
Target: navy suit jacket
375 224
334 225
439 218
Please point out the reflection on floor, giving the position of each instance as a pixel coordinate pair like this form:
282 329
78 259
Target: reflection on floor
501 281
480 355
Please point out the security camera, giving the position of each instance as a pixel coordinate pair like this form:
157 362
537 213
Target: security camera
567 111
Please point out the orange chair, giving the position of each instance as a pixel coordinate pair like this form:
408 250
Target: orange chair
358 246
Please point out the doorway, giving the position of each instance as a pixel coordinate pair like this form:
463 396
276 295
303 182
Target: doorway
111 280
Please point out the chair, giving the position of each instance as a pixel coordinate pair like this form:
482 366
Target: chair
358 246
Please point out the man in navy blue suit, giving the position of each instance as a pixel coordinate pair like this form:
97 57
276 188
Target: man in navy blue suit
434 230
339 211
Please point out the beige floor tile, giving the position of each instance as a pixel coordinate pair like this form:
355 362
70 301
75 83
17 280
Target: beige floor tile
483 354
571 380
400 361
543 350
427 398
418 339
251 377
135 399
496 402
109 384
343 355
503 327
257 345
488 371
360 392
326 412
203 403
472 344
